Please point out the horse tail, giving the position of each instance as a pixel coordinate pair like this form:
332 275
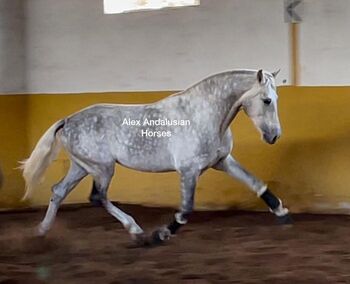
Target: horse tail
42 156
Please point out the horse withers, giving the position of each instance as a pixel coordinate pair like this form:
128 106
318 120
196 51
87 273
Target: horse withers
187 132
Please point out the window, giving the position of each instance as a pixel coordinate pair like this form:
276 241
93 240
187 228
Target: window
122 6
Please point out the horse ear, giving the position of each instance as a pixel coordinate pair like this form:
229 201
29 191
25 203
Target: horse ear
260 76
274 74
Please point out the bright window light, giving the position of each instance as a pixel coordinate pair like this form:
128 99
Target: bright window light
123 6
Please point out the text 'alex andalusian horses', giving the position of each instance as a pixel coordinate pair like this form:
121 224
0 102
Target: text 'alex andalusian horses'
187 132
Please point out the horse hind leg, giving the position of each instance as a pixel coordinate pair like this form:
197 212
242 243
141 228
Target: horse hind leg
95 197
101 182
188 186
59 192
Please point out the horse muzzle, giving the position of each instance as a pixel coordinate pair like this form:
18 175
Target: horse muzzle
271 137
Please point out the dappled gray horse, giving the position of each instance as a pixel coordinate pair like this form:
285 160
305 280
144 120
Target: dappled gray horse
187 132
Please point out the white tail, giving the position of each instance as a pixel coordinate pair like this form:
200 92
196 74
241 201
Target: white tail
43 154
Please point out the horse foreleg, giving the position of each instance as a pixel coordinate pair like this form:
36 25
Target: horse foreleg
234 169
59 192
188 186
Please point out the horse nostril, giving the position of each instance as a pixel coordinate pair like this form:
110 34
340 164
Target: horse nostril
274 139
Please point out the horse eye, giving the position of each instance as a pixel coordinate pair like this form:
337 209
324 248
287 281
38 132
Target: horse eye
267 101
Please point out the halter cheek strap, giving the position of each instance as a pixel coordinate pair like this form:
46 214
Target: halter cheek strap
252 92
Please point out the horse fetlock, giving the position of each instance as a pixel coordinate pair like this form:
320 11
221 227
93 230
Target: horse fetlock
135 229
181 218
131 225
174 227
42 229
282 214
280 210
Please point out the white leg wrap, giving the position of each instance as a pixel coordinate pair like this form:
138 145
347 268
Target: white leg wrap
280 210
180 219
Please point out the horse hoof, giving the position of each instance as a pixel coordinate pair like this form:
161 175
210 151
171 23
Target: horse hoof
285 220
140 240
160 236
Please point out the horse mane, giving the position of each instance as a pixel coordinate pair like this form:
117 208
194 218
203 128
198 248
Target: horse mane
227 72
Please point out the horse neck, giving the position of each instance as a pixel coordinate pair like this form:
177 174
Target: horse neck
224 92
